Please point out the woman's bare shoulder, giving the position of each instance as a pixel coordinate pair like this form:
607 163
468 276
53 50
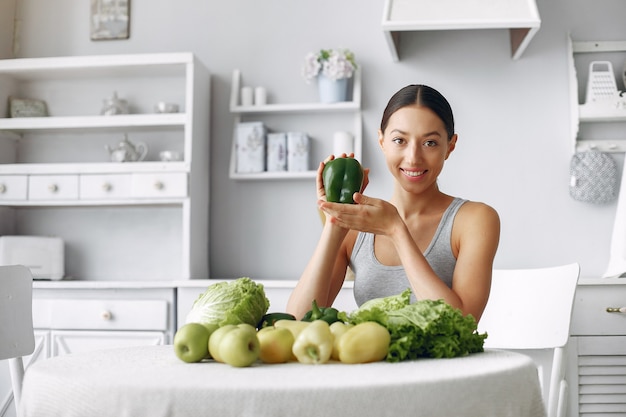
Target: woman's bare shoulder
474 213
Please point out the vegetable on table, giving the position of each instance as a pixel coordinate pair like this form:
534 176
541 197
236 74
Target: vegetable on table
426 328
314 344
338 329
342 178
294 326
363 343
269 319
230 302
328 314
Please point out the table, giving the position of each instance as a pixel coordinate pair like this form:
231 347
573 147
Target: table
152 381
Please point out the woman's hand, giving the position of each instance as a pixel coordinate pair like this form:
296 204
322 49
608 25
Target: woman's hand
369 214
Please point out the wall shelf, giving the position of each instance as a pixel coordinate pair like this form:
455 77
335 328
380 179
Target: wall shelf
351 109
521 17
593 113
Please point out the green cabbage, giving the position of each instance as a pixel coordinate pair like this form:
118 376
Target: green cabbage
426 328
230 302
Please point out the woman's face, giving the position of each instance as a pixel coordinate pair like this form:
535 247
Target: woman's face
415 145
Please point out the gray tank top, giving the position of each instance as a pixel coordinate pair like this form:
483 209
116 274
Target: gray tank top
373 279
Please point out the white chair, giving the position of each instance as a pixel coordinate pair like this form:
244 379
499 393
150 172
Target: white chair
530 310
17 337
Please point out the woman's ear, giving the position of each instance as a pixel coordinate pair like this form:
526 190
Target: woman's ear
380 139
451 144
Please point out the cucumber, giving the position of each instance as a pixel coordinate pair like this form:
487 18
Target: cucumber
270 318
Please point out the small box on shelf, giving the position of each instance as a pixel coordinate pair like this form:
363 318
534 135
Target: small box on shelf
276 152
298 150
251 147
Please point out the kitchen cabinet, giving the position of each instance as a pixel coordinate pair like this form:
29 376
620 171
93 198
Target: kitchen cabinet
596 125
71 317
119 220
520 17
325 118
597 349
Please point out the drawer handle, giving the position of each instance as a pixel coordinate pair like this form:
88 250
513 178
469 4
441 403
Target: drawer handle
106 315
3 188
53 188
107 186
616 309
159 185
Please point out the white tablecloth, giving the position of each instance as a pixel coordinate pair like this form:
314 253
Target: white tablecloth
153 382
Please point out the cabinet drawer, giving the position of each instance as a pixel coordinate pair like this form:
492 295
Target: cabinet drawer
104 186
97 314
52 187
13 187
590 316
159 185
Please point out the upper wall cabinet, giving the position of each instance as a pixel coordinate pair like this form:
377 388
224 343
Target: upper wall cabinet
521 17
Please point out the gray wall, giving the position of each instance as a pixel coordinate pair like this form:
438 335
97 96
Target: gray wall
7 12
512 116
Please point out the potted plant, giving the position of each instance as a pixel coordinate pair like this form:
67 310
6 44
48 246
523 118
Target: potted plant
332 68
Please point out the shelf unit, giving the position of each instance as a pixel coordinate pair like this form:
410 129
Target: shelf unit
521 17
83 190
352 109
594 113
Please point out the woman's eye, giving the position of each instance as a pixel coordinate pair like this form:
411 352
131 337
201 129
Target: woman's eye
398 141
430 143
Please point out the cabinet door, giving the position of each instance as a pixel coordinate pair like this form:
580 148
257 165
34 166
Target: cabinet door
74 341
52 187
104 186
601 375
159 185
13 187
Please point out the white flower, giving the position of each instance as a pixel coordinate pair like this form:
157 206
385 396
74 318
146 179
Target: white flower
335 64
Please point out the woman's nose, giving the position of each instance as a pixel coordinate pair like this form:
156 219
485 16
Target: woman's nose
414 153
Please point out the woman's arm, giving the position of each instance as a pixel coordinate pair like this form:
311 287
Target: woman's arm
324 274
475 239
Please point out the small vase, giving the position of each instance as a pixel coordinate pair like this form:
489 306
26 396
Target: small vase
332 91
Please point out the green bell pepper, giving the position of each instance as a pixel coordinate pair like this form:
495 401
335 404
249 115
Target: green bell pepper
327 314
342 178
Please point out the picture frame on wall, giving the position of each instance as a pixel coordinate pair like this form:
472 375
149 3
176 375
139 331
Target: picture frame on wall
110 19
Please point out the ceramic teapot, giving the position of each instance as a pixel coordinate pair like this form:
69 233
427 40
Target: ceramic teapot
126 151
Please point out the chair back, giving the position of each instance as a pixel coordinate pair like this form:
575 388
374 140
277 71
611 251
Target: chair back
530 310
16 321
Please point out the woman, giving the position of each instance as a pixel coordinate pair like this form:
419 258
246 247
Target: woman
440 246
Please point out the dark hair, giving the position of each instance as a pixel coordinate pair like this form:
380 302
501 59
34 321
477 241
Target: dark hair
422 95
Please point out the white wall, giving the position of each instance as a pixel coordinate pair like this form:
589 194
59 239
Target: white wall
512 116
7 13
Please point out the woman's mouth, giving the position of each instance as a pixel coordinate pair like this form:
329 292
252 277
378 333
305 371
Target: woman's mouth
413 173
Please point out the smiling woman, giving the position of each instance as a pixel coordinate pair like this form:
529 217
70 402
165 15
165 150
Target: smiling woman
439 246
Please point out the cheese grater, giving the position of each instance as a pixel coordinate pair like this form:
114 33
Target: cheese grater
601 84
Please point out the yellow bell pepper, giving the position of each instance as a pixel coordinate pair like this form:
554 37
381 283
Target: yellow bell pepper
314 344
294 326
365 342
338 329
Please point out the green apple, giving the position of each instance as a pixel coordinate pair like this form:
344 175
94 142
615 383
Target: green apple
240 347
216 339
191 342
275 344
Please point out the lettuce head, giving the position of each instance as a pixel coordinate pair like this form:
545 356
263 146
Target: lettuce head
230 302
426 328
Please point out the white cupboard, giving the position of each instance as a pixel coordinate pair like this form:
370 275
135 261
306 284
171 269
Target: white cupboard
119 220
597 350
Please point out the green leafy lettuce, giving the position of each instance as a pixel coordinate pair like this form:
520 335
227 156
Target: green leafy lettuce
426 328
230 302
